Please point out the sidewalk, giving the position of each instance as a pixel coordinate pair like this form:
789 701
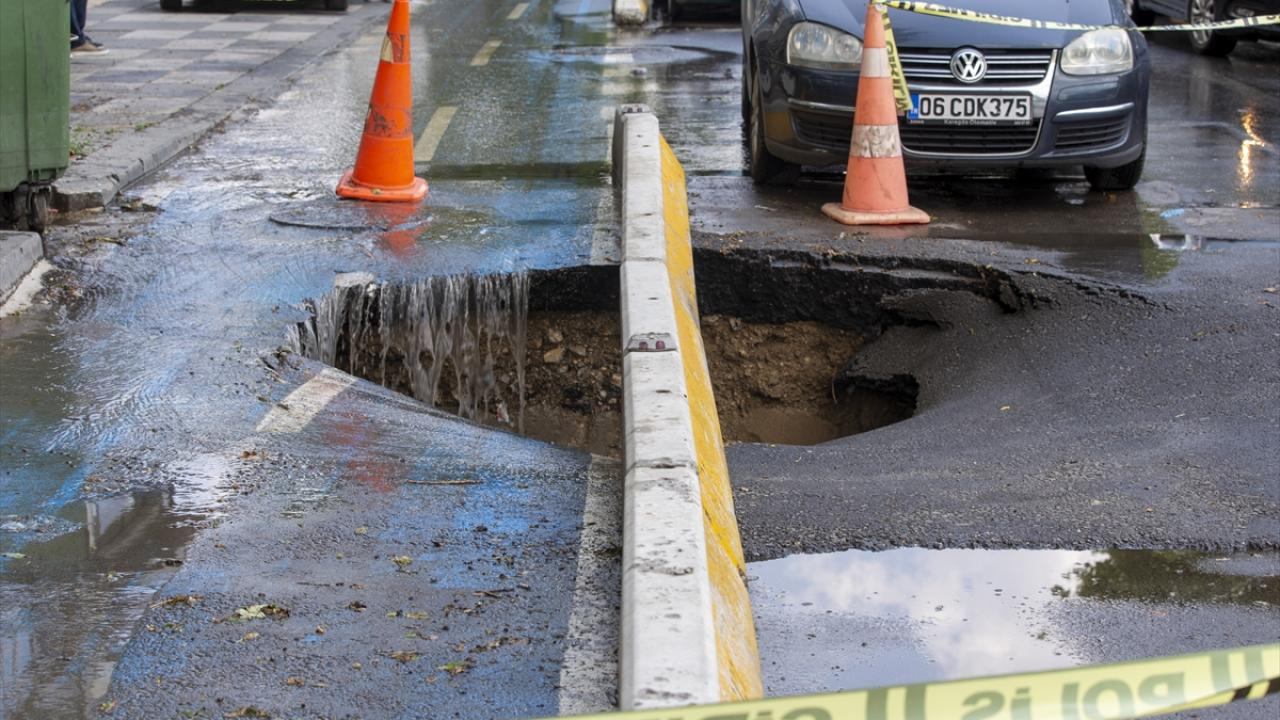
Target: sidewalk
171 77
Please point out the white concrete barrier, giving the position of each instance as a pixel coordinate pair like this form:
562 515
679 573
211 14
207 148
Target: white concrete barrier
687 630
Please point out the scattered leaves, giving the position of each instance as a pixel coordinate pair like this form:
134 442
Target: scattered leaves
252 455
188 600
404 656
357 606
416 615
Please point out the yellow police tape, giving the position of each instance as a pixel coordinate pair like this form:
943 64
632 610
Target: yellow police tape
925 8
1124 690
901 93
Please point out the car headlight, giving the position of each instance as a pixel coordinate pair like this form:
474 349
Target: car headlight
1098 52
818 46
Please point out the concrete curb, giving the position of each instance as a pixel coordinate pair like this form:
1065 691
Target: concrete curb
19 252
630 12
95 180
687 631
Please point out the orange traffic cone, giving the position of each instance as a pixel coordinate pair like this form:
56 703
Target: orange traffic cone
875 187
384 164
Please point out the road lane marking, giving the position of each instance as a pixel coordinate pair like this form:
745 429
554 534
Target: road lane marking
300 407
517 11
425 149
486 52
589 670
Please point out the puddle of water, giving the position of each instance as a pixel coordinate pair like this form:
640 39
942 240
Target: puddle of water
862 619
68 603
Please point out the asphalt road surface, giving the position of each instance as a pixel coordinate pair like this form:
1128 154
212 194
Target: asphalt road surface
1090 372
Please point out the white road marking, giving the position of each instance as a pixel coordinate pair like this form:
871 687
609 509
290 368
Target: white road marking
486 52
589 671
619 59
425 149
517 11
301 406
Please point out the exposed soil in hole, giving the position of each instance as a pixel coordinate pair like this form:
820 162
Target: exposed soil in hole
787 384
781 333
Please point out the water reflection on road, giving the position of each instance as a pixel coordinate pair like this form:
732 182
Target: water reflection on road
861 619
56 656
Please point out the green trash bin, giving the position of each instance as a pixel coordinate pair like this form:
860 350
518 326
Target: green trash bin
35 99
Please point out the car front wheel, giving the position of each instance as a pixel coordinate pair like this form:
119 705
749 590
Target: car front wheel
1208 42
1141 16
1116 178
763 166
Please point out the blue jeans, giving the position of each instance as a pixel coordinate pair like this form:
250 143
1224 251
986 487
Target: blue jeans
79 9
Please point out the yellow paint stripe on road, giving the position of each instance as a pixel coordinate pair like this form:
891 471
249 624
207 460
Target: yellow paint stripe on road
301 406
425 149
486 52
517 11
737 654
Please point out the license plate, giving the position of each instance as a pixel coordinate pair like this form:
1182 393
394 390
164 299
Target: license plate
970 109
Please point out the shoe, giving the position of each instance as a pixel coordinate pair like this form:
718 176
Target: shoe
88 47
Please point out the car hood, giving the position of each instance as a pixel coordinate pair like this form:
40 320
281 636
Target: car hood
913 30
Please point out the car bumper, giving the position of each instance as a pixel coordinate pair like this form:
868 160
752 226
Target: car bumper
1099 121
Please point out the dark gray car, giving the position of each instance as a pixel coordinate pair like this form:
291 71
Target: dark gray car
984 94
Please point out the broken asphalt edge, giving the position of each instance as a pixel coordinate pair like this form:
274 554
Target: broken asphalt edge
95 180
687 633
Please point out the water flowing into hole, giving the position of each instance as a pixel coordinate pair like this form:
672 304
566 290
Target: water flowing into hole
442 337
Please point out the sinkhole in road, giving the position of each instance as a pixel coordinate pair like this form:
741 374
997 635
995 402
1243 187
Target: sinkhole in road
539 352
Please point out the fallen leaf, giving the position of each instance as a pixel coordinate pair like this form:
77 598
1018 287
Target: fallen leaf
356 666
248 712
295 681
107 706
362 530
250 636
12 555
416 615
189 600
319 629
457 667
404 656
1271 290
1006 408
1032 261
357 606
402 560
256 612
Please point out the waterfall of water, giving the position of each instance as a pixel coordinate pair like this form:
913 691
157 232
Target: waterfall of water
449 335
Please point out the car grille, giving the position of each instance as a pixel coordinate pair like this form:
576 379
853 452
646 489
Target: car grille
968 140
1004 67
1088 135
832 132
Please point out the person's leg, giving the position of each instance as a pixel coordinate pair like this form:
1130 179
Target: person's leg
78 10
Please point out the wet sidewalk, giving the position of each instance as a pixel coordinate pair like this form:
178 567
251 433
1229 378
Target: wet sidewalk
169 78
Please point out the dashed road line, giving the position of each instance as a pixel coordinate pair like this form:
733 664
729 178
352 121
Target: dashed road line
486 52
302 405
518 11
425 149
589 670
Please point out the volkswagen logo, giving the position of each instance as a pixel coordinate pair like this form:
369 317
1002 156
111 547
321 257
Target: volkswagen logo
969 65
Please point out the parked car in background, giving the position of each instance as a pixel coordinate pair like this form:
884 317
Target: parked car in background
1210 42
983 94
174 5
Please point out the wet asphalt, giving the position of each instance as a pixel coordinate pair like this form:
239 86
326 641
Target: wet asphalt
1125 397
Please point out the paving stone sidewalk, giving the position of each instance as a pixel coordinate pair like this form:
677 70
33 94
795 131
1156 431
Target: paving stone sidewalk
168 78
